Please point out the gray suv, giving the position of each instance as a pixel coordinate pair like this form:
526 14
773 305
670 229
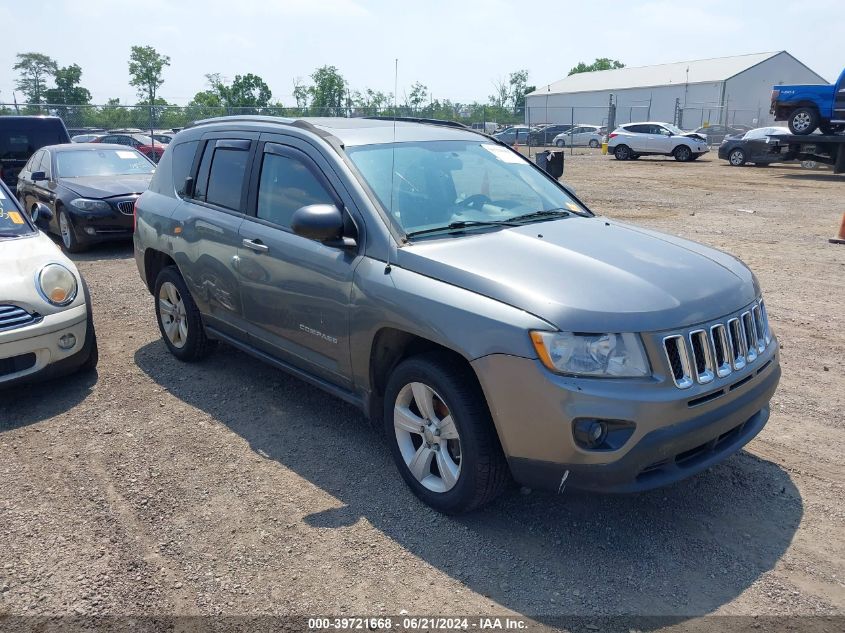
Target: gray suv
462 298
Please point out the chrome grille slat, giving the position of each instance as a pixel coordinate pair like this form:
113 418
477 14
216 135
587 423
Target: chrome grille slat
706 354
702 359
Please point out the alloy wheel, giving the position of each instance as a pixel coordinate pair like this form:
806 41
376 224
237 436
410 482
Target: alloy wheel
737 158
427 437
64 228
174 317
801 121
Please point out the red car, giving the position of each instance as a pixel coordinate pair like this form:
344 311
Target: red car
144 144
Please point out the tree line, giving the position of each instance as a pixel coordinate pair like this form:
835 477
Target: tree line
58 89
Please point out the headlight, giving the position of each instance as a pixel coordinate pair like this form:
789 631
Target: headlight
56 284
604 355
90 205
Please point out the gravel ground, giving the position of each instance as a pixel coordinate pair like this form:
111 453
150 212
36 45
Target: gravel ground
158 488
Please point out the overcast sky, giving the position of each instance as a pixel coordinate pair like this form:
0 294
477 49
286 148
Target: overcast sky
457 48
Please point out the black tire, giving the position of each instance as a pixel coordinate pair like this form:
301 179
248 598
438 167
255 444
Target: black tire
594 143
622 152
682 153
484 471
197 345
803 121
560 143
737 157
90 363
70 239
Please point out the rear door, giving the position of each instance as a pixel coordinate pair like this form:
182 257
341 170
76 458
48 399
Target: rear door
209 219
296 291
638 137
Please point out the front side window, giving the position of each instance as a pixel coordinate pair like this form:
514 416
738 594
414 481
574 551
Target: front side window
286 185
430 184
103 162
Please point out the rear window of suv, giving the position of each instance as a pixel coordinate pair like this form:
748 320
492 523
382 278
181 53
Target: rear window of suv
19 139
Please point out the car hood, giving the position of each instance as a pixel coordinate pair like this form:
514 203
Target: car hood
695 135
107 186
20 260
590 274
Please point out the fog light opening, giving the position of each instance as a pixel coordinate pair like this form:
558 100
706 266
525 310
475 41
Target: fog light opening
593 434
67 341
90 230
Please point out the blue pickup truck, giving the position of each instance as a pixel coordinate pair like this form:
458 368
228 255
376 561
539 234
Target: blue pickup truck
807 107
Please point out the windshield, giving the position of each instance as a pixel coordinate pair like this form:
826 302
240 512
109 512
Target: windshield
436 183
12 221
105 162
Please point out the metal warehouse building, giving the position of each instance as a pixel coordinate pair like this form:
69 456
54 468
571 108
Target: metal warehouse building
727 90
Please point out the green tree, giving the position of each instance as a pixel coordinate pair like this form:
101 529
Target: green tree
67 90
418 96
518 88
328 93
245 91
145 71
35 70
601 63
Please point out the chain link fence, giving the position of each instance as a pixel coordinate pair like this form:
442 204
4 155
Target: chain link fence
94 118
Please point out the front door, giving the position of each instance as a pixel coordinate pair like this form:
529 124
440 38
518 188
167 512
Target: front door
296 291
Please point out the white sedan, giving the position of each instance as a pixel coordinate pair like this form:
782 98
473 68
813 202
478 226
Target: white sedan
45 310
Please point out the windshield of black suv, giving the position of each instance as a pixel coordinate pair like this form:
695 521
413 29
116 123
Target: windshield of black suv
432 184
13 222
105 162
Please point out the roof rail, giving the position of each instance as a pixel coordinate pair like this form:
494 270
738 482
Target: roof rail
413 119
331 139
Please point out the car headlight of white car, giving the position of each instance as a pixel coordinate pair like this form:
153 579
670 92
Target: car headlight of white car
86 204
597 355
56 285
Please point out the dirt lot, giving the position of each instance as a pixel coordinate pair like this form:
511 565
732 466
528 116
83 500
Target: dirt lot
227 487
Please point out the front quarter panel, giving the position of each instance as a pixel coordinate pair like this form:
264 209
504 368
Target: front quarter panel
463 321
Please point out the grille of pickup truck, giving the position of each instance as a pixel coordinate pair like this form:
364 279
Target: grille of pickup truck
706 353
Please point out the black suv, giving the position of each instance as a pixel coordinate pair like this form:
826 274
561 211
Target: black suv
21 137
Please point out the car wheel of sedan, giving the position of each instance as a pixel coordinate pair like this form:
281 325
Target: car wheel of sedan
594 143
682 153
803 121
560 143
736 158
179 318
622 152
441 435
68 234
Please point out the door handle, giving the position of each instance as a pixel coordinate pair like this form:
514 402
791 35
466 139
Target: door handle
256 245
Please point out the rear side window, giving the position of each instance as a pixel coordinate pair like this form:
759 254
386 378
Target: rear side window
182 156
639 129
19 138
221 174
286 185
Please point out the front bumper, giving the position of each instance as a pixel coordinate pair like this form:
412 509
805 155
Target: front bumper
676 436
36 350
102 226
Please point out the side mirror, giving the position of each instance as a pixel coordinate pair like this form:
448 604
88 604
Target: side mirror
322 223
42 215
38 175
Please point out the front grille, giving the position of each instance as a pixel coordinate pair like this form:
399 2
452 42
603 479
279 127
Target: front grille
703 355
13 317
127 207
16 364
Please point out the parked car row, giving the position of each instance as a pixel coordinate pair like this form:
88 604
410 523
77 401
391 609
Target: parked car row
395 265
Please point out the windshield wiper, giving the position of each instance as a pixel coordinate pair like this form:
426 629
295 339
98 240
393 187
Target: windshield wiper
462 224
536 215
2 234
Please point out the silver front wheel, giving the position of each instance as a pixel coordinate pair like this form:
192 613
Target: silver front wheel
64 228
173 315
427 437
